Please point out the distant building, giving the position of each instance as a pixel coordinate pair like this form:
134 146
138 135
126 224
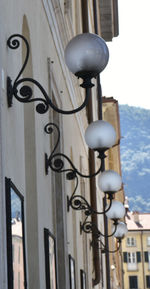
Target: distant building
136 251
111 114
17 248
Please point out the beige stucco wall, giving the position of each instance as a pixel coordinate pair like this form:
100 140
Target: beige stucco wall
48 26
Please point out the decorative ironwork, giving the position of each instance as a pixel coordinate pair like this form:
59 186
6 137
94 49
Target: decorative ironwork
55 162
25 93
78 202
89 227
100 245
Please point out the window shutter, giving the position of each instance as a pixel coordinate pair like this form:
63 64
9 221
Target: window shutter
138 255
146 256
133 282
125 257
148 281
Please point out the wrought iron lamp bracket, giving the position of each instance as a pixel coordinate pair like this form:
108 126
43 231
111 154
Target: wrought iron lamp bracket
78 202
55 162
25 93
89 227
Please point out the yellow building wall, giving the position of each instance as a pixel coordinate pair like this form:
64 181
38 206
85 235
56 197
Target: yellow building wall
143 268
112 162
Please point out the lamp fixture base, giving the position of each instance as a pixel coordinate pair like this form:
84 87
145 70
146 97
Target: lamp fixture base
46 164
68 203
86 76
9 91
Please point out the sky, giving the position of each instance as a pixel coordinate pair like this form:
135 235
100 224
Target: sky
127 75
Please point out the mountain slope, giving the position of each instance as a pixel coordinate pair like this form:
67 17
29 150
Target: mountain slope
135 156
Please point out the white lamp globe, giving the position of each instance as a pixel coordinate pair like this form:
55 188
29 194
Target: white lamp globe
121 230
86 54
100 135
109 181
116 211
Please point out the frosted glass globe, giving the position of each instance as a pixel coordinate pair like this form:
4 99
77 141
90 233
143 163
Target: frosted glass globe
116 211
121 230
109 181
86 53
100 134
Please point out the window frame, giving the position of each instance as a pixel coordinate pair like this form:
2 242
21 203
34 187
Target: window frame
9 186
148 241
83 279
132 256
131 242
72 273
50 243
132 261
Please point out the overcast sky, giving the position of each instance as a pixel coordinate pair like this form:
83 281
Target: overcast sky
127 75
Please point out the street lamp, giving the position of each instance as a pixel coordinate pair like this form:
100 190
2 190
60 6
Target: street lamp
117 210
119 231
86 56
109 181
99 136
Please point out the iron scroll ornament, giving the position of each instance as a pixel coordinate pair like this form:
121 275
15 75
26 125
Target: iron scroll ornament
25 93
89 227
101 246
56 162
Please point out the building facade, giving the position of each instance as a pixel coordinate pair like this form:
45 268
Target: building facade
136 251
111 114
50 250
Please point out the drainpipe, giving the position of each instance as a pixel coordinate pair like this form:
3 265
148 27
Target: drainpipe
142 253
96 259
99 98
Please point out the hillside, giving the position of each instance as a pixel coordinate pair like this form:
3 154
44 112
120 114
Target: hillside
135 156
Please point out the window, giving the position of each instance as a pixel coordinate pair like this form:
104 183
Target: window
148 241
131 257
148 281
132 261
133 282
72 273
50 260
83 279
15 237
131 241
147 258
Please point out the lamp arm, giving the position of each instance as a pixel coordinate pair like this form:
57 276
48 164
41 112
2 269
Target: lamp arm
14 43
112 234
78 202
104 248
26 92
55 162
89 227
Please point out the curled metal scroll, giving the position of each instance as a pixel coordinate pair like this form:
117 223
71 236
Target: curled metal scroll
89 227
56 160
78 202
25 93
100 245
